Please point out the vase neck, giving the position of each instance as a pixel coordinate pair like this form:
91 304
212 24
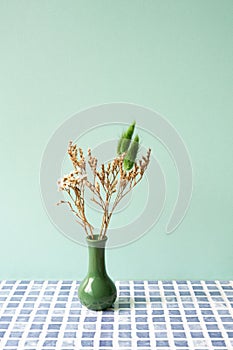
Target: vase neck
96 261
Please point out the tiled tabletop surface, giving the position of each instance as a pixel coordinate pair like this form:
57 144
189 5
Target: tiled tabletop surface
175 315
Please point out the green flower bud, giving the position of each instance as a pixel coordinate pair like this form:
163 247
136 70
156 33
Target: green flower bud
130 130
131 154
124 142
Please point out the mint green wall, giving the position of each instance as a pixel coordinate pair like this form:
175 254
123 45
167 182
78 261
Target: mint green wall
58 57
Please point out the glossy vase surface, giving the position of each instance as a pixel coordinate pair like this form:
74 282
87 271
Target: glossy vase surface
97 291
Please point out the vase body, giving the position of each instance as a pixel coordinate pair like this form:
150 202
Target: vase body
97 291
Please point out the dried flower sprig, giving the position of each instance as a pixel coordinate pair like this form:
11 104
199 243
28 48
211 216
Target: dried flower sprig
112 178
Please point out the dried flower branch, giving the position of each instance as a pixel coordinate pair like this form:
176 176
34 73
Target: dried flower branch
112 178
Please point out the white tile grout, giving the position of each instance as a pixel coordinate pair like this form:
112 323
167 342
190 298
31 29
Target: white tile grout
116 314
200 316
65 317
10 294
132 308
42 337
16 314
183 316
97 329
223 295
193 343
78 340
150 316
32 315
219 321
166 315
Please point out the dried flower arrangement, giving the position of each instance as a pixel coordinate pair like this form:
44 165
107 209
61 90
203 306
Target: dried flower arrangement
109 185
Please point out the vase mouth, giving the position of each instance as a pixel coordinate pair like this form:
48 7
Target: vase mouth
96 240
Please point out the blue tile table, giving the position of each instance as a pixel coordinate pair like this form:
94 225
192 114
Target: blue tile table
175 315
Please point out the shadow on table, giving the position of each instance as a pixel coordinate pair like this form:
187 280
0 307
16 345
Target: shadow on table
129 303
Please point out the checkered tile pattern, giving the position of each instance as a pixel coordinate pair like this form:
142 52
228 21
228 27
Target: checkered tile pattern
175 315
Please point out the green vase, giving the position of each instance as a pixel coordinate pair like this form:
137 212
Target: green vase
97 291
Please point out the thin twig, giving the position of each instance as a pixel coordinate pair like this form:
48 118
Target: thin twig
113 179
